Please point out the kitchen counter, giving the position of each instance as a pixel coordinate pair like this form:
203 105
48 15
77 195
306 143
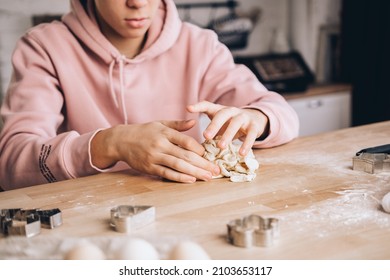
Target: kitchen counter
318 90
326 210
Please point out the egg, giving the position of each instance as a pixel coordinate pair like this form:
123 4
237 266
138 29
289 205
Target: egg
136 249
85 251
386 202
188 250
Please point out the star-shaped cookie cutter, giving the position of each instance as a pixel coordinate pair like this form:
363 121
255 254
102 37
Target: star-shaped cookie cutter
253 230
127 218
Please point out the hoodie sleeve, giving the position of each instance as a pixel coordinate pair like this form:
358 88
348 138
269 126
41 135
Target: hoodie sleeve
230 84
32 148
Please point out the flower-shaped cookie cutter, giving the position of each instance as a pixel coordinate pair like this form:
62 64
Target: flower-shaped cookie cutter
127 218
253 230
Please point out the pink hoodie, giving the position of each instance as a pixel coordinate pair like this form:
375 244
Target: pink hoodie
69 81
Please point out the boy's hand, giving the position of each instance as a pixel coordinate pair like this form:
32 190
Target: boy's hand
232 123
156 148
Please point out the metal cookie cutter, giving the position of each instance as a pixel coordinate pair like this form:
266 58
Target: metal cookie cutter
372 160
371 163
28 222
126 218
253 230
6 216
50 218
18 222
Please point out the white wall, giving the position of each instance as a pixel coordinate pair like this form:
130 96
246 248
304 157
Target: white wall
306 19
34 6
15 18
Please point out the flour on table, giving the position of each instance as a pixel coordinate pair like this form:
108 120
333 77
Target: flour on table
231 164
353 208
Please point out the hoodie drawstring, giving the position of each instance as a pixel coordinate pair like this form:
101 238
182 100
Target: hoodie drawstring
118 59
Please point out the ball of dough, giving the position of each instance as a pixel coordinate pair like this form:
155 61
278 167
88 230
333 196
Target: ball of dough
230 162
188 250
136 249
386 203
85 251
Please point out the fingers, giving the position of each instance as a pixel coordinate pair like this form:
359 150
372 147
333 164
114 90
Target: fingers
218 114
207 168
248 142
186 142
197 168
173 175
184 154
190 151
231 123
205 107
180 139
178 164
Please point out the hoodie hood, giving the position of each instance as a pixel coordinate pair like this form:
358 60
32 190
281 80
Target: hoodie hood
161 36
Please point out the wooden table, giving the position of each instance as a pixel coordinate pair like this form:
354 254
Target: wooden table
326 209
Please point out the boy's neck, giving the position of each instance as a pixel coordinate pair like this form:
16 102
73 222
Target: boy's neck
129 48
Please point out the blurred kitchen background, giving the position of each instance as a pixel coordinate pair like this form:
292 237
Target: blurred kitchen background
327 57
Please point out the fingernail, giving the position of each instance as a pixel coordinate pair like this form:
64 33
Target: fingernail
216 171
207 135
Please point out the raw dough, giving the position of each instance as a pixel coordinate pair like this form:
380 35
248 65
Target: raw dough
386 202
232 165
